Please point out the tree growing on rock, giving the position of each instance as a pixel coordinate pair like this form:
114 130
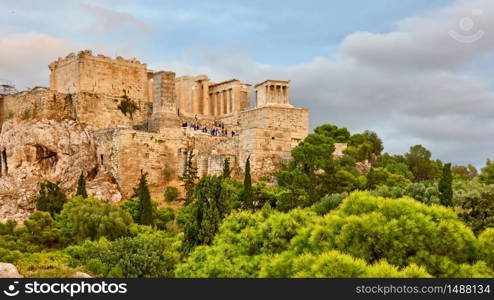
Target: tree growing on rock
81 186
226 168
189 176
51 198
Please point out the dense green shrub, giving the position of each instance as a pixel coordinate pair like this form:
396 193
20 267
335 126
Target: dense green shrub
51 198
91 219
477 205
146 255
171 194
401 232
328 203
424 192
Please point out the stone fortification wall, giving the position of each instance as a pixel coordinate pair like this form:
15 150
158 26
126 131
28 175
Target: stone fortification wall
85 72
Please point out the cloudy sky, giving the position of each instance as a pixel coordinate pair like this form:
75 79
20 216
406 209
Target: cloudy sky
415 71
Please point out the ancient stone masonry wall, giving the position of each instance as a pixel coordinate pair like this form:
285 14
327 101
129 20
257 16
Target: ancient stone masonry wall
36 103
269 134
102 111
124 153
84 72
164 112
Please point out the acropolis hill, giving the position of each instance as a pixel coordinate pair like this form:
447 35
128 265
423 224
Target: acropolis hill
111 118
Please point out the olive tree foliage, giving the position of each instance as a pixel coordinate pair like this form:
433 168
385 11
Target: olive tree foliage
393 237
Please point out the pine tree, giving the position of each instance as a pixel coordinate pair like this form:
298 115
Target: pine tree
81 186
189 177
51 198
226 169
446 186
247 195
144 197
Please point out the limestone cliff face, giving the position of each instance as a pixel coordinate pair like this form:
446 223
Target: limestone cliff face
36 150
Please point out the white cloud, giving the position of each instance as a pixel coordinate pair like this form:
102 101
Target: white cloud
24 58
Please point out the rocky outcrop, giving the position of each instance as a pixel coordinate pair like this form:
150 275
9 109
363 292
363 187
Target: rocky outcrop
9 271
79 274
37 150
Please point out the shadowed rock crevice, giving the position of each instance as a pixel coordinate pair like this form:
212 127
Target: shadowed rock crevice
46 158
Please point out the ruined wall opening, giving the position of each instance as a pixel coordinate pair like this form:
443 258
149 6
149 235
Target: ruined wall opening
4 162
46 159
92 174
102 158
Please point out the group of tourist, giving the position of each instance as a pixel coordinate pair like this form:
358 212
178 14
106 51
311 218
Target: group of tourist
218 129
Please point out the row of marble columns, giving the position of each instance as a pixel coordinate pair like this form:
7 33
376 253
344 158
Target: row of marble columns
277 93
221 102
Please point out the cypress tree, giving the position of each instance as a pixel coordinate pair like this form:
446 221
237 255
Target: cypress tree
144 197
446 186
247 197
189 177
81 186
226 169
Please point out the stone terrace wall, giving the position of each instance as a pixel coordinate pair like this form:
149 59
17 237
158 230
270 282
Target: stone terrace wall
37 103
123 153
102 111
269 134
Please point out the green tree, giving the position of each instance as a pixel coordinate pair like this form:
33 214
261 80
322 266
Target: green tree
381 176
40 230
171 194
226 168
425 192
81 186
487 175
394 234
189 176
141 191
150 255
420 164
247 198
464 172
477 203
446 186
200 219
92 219
161 217
51 198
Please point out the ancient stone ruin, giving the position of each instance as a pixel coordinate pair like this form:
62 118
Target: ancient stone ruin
110 118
